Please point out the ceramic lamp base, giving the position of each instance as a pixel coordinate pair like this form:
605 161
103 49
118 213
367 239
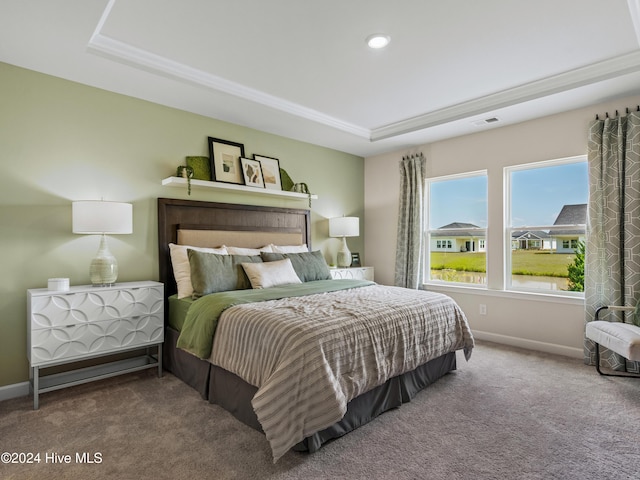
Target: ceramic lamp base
104 268
344 255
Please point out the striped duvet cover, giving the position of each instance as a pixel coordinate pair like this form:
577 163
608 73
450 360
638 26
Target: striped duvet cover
309 356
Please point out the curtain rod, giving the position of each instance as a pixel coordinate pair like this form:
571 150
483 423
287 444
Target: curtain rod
627 109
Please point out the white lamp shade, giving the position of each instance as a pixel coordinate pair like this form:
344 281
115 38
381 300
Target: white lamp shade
98 217
344 227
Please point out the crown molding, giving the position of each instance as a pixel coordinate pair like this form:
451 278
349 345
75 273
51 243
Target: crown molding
607 69
145 60
579 77
139 58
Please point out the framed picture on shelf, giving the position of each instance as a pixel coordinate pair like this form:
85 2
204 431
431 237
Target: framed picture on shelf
252 172
270 172
355 259
225 160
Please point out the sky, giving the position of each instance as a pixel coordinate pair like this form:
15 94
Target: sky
537 194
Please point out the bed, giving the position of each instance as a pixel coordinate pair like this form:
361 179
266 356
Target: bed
318 379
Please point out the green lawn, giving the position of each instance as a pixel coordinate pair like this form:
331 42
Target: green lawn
523 262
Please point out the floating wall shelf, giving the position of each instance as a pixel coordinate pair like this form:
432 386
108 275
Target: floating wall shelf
182 182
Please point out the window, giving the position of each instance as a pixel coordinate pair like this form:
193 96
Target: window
545 217
570 244
456 229
443 244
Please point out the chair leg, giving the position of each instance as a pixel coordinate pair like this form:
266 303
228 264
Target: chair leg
598 359
629 375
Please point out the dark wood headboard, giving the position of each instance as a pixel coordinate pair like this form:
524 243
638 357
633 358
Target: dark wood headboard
174 214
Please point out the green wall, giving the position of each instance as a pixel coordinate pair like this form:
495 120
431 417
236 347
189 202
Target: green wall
61 141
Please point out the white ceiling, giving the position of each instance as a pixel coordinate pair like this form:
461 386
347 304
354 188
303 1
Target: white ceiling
302 69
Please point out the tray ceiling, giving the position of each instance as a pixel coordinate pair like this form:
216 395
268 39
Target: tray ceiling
304 71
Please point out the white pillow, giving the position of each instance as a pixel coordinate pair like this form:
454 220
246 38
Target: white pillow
182 269
289 248
271 274
247 251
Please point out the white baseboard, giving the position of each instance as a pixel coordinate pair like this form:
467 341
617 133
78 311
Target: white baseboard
13 391
530 344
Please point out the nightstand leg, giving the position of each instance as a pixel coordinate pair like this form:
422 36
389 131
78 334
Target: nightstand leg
159 360
36 386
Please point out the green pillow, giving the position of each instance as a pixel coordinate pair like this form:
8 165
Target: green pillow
211 273
309 266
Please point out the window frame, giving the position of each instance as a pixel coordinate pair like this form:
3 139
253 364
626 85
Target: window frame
426 266
509 229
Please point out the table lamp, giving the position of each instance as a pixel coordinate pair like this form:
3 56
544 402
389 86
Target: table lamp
344 227
102 218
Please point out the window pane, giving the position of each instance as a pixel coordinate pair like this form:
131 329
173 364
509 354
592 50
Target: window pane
458 200
457 213
538 194
543 199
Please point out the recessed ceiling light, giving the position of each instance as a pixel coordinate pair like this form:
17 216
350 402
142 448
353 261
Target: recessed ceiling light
378 40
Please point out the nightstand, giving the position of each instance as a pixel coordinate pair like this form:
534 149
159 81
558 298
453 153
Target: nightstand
358 273
87 322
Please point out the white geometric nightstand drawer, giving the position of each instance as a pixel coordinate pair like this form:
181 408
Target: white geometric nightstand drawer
82 307
66 343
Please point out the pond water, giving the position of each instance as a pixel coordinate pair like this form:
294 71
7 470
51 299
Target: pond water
521 281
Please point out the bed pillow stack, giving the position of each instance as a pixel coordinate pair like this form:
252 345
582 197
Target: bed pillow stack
200 271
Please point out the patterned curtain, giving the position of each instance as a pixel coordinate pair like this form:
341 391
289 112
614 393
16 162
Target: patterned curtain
409 250
612 258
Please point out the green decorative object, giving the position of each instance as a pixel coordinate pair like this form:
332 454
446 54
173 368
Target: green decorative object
302 188
185 172
201 167
285 179
289 186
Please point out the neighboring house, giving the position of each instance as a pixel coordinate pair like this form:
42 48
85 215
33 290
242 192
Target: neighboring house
532 240
458 241
567 240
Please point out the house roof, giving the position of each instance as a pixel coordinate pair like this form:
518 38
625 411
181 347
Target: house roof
571 215
460 232
458 225
541 234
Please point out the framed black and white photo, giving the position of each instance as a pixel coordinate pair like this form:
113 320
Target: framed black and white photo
252 172
355 259
225 160
270 172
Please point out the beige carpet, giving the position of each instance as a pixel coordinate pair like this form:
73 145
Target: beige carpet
506 414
